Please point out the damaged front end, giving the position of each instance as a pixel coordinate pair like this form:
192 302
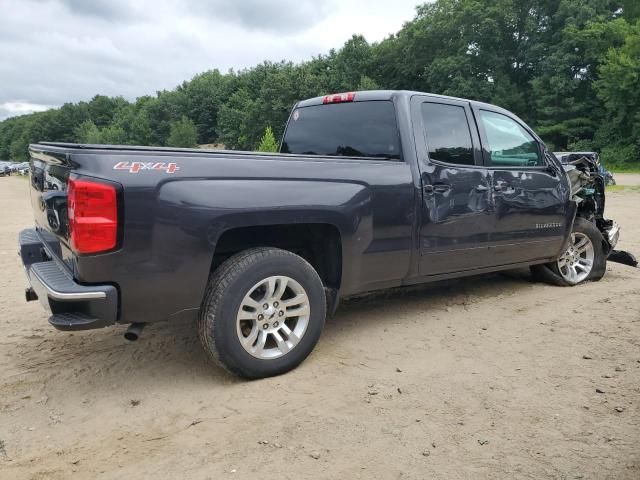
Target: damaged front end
588 181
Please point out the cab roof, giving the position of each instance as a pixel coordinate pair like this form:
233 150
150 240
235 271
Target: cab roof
373 95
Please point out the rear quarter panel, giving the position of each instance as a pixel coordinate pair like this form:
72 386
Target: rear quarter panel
172 221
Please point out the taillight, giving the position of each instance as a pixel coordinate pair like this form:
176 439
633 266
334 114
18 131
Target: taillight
339 98
92 209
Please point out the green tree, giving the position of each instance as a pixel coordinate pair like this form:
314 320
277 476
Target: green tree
619 89
233 121
204 95
268 142
19 148
183 133
87 132
162 111
113 135
102 109
567 108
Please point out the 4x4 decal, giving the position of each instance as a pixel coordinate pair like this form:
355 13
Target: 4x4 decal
135 167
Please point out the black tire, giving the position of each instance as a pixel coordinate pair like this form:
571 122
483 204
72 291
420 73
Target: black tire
228 286
549 272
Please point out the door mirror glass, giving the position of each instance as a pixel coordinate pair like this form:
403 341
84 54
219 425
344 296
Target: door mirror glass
509 144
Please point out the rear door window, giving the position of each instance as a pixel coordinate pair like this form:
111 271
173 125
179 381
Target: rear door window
448 134
351 129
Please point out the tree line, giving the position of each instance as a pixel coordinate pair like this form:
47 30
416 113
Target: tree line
569 68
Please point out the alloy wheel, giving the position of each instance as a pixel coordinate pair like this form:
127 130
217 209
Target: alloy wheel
273 316
576 262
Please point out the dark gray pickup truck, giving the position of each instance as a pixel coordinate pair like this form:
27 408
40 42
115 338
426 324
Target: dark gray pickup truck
371 190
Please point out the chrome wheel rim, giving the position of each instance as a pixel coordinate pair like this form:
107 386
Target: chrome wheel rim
273 317
576 262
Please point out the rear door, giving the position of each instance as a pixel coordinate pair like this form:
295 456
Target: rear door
528 198
455 220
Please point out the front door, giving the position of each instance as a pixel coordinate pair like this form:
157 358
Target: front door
455 220
528 198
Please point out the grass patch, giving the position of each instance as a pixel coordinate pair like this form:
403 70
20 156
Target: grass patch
615 170
623 188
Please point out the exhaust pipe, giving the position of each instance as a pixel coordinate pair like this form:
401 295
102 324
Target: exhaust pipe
133 332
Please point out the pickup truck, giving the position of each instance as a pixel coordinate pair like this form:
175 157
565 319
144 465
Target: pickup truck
370 190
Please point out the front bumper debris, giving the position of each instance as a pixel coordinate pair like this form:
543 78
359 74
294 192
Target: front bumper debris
625 258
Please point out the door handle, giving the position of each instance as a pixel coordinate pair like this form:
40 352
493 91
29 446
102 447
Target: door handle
501 187
481 188
437 188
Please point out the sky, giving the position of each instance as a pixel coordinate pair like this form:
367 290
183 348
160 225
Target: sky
58 51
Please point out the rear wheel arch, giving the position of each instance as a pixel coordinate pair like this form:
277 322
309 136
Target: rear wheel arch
320 244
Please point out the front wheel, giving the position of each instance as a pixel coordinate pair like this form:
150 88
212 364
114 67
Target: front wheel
583 260
263 313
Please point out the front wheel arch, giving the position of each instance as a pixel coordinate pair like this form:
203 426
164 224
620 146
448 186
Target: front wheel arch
551 273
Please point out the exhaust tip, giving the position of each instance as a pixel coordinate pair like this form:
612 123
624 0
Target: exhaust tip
131 336
133 332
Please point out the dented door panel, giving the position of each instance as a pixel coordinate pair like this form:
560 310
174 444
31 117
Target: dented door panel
530 214
456 218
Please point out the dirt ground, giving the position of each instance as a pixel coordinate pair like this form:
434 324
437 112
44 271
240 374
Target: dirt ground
488 377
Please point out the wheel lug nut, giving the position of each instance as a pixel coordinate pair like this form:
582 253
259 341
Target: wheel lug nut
280 313
265 306
275 304
265 326
260 317
275 324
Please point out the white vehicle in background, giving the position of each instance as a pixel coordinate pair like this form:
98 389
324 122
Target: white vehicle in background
21 168
5 169
9 168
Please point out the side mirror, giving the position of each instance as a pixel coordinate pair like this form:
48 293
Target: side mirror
550 165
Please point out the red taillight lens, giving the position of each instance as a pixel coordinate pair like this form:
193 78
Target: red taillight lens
93 216
339 98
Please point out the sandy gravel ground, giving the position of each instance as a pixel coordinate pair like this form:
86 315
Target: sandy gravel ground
489 377
627 178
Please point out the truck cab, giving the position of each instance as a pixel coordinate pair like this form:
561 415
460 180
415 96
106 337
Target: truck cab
488 193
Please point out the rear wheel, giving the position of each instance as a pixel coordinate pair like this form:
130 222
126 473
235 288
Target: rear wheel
583 260
263 313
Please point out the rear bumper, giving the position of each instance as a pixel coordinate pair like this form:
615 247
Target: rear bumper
72 306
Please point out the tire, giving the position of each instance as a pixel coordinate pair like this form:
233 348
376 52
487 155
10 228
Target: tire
230 298
553 274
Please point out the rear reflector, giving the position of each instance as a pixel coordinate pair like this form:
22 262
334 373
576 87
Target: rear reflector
93 216
339 98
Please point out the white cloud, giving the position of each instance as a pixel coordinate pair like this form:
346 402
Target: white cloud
11 109
57 51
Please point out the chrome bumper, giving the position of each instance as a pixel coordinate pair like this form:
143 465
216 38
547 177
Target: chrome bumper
73 306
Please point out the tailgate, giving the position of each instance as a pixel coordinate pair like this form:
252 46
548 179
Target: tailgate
76 213
49 177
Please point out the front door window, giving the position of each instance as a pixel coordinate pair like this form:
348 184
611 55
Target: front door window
509 144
